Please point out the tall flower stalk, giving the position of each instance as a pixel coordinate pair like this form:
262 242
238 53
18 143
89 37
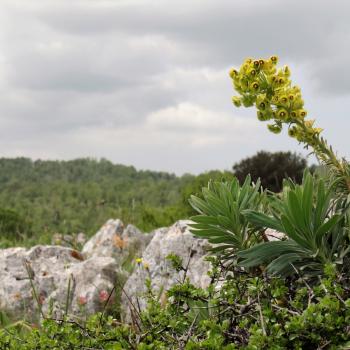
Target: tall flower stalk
261 84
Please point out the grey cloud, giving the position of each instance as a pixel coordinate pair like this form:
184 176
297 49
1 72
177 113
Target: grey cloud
81 78
219 33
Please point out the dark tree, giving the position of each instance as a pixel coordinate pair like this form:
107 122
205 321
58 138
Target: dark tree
271 168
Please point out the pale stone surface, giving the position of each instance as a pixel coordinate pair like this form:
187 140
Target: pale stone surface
178 240
97 269
50 268
116 241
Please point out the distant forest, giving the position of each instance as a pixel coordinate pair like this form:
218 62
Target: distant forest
39 198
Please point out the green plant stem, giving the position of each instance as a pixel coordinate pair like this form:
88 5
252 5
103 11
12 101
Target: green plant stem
34 290
325 153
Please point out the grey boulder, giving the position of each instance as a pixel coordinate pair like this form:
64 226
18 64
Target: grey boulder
59 277
155 266
117 241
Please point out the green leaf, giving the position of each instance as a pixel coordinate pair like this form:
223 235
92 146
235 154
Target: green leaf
326 227
283 264
263 220
307 201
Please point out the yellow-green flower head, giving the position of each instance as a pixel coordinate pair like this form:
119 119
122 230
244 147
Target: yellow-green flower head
298 102
244 68
265 115
262 63
282 114
255 86
260 98
275 99
269 68
302 113
252 73
233 73
262 105
276 129
274 59
286 71
293 114
256 64
293 131
244 84
291 97
283 101
138 260
237 101
237 86
282 81
295 90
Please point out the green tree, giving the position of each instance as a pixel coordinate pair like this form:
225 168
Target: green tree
271 168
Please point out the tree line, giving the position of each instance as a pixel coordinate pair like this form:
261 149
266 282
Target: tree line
41 197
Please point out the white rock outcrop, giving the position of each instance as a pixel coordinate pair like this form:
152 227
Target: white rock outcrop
49 269
177 240
116 241
92 273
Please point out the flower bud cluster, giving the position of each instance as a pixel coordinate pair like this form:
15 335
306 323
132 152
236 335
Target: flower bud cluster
260 83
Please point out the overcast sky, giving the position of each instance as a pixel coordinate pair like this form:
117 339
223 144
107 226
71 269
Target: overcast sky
145 82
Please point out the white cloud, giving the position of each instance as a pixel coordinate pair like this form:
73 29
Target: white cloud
194 118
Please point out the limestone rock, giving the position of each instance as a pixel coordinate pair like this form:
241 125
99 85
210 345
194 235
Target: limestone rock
49 269
116 241
178 240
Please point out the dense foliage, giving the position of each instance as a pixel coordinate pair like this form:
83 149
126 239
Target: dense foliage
80 195
39 198
271 168
12 225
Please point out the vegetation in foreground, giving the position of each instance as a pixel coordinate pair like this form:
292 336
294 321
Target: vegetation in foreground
291 293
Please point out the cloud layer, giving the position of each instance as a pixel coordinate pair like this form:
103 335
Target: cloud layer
145 82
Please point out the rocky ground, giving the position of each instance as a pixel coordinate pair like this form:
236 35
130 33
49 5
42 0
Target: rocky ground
55 279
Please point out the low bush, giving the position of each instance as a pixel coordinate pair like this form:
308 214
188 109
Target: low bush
237 311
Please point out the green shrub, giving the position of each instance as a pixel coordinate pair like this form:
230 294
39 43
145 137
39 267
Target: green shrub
221 218
315 223
246 312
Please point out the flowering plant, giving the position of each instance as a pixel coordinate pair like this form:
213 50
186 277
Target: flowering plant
314 216
261 84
